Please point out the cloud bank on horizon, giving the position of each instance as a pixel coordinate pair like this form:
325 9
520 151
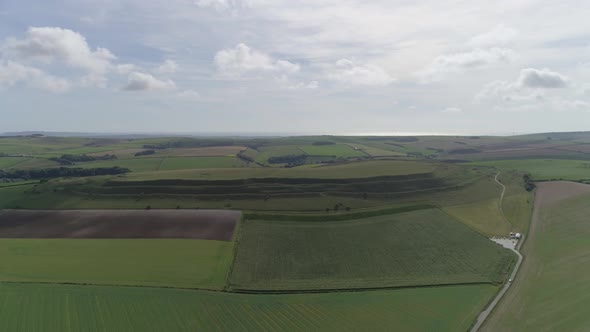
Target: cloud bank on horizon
321 66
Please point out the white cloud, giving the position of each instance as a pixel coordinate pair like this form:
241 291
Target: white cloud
458 62
452 110
167 67
351 72
142 82
49 44
11 73
526 88
94 80
305 85
501 35
541 78
216 4
533 90
125 68
189 95
242 60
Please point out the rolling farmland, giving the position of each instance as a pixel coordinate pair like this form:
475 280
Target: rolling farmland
368 233
423 247
138 262
57 308
336 150
175 163
551 292
546 169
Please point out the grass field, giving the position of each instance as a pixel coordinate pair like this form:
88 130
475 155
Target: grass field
345 170
546 169
31 163
276 151
162 262
7 162
57 308
551 291
337 150
517 210
423 247
135 165
483 216
175 163
375 152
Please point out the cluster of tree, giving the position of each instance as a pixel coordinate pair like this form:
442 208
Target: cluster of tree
338 207
529 185
70 159
188 143
48 173
464 151
242 155
323 143
291 160
145 153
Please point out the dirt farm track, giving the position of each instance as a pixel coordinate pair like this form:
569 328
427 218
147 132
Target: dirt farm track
109 224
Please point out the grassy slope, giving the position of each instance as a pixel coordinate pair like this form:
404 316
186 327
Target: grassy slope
490 217
337 150
375 152
346 170
483 216
7 162
423 247
275 151
174 163
135 165
174 263
90 308
553 292
546 169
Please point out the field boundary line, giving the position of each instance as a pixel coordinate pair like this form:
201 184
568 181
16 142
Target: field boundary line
238 237
244 292
351 290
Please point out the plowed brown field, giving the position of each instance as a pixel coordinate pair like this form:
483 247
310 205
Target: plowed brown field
110 224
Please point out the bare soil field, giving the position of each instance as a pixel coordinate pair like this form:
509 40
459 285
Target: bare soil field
555 191
582 148
112 224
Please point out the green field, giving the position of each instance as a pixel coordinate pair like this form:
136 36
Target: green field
546 169
344 170
57 308
7 162
552 292
161 262
336 150
423 247
135 165
371 233
483 216
175 163
276 151
375 152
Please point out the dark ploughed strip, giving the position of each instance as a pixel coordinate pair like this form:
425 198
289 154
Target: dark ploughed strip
119 224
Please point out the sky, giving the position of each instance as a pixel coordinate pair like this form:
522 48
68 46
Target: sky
295 67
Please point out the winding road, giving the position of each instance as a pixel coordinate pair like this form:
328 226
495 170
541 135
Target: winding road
484 314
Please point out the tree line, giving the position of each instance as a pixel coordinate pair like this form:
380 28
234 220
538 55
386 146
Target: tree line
70 159
49 173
